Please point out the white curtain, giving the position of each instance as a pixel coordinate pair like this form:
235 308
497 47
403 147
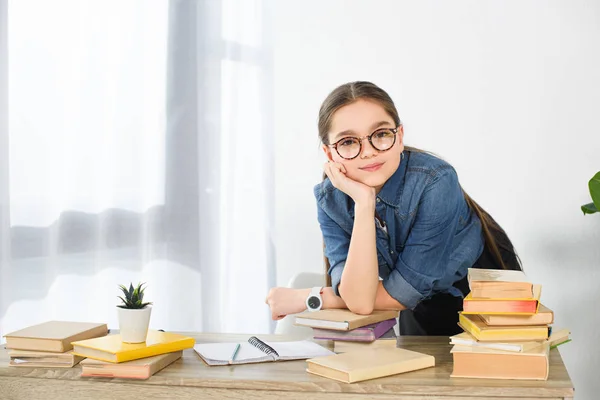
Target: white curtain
138 147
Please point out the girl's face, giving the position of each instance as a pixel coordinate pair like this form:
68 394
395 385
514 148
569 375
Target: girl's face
359 120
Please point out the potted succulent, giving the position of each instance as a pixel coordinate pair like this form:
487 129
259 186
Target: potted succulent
133 314
594 186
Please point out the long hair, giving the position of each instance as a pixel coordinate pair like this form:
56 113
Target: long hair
498 249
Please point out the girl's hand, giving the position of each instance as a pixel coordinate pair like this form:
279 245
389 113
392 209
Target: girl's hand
359 192
285 301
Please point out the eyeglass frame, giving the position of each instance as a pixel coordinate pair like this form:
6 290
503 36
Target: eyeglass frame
360 141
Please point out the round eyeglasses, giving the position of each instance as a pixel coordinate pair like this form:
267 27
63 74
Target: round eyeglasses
350 147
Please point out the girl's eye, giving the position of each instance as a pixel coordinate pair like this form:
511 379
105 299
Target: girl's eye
382 134
347 142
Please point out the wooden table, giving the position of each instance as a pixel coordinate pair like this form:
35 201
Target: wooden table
190 378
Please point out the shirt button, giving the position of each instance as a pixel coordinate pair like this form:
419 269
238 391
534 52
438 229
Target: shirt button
378 200
392 252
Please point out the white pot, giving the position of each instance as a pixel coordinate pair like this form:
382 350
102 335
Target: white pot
133 324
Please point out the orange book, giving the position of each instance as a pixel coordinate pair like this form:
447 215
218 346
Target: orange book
473 305
544 316
143 368
361 365
54 336
112 349
477 362
499 283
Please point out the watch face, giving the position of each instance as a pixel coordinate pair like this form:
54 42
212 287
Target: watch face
314 302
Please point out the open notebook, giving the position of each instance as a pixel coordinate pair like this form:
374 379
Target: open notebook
256 351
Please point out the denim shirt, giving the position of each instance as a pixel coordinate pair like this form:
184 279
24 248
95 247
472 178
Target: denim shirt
428 240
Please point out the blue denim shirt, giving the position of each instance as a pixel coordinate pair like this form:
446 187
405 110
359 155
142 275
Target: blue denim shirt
430 236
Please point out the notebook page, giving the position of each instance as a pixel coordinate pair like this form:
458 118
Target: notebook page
299 350
220 353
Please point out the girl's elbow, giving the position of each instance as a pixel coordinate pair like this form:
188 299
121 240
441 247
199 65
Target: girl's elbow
361 309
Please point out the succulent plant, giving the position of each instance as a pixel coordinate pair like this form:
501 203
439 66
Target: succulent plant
134 297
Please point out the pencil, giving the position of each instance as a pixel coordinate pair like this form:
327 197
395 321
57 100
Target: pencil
237 347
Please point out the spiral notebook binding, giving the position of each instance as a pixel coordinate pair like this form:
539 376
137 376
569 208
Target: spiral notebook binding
262 346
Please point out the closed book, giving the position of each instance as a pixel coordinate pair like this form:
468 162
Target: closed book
484 333
54 336
366 333
42 359
473 305
142 368
499 283
342 319
544 316
465 339
472 362
362 365
112 349
387 340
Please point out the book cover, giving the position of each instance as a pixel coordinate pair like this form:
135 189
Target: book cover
54 336
477 362
142 368
257 351
362 365
42 359
387 340
342 319
366 333
112 349
482 332
530 306
544 316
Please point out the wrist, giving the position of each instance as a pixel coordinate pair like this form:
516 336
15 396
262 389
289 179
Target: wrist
302 296
366 204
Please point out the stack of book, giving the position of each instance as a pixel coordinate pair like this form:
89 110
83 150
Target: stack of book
367 341
49 344
110 357
508 333
350 331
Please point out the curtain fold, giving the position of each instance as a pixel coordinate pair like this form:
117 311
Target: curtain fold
138 149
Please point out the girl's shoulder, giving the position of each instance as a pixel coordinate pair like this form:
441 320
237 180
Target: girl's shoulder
425 162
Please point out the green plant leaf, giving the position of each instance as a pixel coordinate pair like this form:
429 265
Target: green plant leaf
594 186
589 208
130 290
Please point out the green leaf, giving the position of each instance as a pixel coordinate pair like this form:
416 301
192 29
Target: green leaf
130 290
123 300
594 186
589 208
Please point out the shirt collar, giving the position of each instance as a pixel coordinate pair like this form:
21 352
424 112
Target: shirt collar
392 189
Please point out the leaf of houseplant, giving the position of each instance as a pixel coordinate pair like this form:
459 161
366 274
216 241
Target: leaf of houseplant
595 190
589 208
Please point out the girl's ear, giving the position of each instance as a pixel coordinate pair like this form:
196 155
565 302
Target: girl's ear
401 137
327 151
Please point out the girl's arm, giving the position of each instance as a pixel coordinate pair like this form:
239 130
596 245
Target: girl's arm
360 278
285 301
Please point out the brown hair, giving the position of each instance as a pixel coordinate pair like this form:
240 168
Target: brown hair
497 243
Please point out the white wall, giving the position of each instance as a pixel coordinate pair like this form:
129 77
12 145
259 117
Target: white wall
505 91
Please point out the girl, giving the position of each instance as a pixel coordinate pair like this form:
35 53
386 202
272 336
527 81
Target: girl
399 232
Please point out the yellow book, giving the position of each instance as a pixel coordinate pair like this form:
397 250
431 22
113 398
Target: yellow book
474 325
110 348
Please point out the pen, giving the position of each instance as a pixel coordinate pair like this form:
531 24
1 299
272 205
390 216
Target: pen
237 347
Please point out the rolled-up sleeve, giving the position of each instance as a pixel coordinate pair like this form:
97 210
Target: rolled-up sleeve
424 260
337 243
